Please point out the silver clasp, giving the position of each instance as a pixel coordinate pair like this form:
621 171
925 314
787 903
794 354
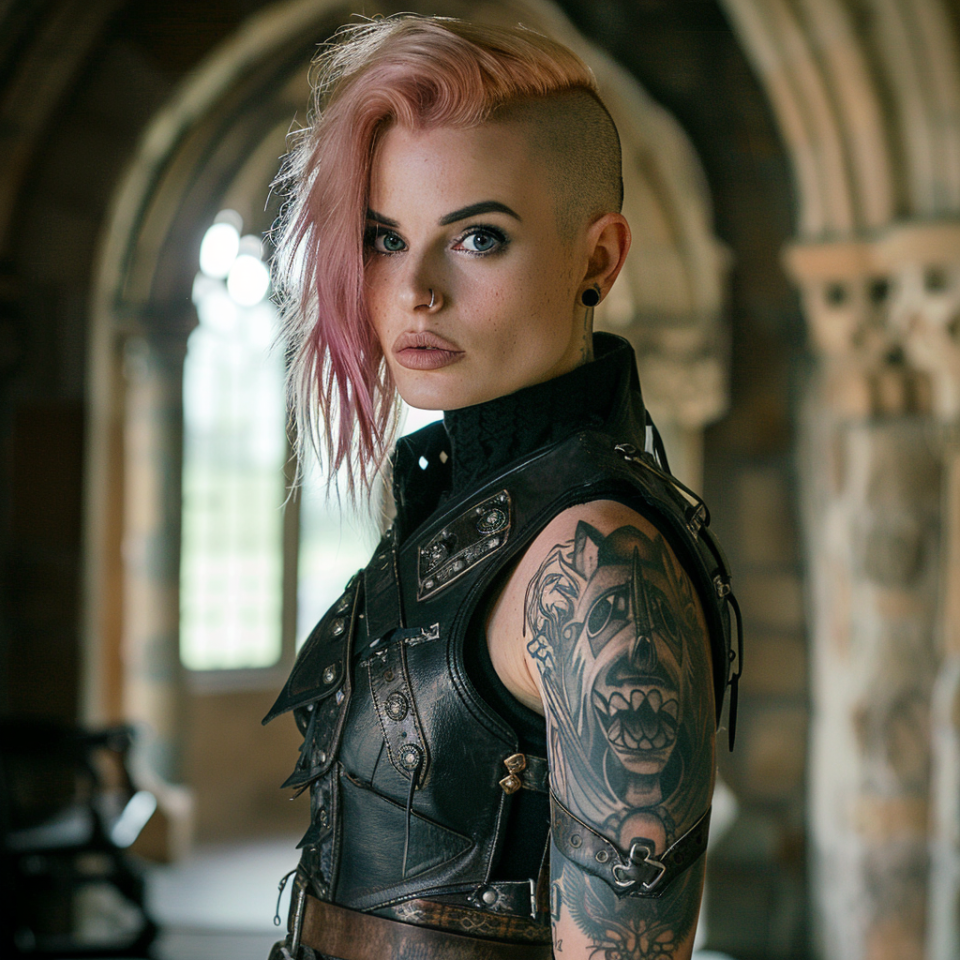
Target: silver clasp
630 874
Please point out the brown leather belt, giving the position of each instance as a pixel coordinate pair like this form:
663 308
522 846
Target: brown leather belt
349 935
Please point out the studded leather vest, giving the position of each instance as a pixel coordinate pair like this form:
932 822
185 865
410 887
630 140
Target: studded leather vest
411 773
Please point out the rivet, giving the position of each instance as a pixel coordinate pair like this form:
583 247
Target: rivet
342 604
338 627
388 675
602 856
396 706
330 673
489 897
322 757
410 757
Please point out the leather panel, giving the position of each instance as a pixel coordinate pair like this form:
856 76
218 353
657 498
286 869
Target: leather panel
321 667
375 860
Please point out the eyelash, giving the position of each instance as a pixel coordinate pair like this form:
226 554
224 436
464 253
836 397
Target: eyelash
501 238
372 233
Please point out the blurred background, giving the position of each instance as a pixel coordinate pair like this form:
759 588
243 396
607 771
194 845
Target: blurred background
792 174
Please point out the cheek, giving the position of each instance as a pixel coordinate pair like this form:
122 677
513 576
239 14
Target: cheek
376 298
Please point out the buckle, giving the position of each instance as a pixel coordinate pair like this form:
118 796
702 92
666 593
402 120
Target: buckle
640 863
296 925
516 763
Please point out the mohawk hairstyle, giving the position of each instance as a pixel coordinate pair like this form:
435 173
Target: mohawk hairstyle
413 71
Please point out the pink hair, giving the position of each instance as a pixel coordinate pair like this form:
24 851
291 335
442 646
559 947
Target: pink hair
410 70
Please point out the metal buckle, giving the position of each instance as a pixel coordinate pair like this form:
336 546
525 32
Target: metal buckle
516 763
296 927
628 875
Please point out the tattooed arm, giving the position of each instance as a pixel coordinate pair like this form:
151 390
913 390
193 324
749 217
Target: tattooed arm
601 625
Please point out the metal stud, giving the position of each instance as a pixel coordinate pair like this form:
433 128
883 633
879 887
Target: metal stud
330 673
510 783
396 706
410 757
337 627
515 762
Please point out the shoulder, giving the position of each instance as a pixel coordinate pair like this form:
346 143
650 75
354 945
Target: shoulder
592 565
580 543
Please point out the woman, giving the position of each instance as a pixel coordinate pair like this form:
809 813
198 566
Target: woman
545 595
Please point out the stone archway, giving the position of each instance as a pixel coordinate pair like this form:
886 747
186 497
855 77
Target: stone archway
867 96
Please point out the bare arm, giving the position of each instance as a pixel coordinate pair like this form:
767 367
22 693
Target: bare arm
615 643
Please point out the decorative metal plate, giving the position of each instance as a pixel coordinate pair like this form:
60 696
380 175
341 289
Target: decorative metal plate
477 533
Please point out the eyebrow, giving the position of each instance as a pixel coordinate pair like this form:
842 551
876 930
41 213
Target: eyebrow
475 209
380 218
485 206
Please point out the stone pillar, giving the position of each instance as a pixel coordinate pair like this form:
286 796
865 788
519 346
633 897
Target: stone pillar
877 445
684 378
153 444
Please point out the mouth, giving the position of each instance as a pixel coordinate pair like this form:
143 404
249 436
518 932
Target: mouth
423 350
645 722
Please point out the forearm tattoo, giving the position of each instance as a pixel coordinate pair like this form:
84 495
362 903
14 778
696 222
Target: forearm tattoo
614 627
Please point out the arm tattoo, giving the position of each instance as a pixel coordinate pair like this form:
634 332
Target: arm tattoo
616 631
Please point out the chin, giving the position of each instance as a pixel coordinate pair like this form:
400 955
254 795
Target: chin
436 396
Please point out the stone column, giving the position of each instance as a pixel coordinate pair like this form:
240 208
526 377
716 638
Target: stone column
876 442
153 443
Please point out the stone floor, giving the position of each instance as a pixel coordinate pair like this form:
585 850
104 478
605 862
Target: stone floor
219 904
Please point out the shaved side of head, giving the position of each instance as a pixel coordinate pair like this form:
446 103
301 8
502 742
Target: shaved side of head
578 141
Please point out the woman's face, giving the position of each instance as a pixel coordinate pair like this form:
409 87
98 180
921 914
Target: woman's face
464 217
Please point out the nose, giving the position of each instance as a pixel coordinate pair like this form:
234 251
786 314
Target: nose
421 284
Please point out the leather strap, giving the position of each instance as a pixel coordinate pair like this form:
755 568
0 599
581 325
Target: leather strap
526 772
397 712
637 873
382 589
349 935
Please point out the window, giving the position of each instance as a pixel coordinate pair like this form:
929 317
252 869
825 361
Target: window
231 569
234 488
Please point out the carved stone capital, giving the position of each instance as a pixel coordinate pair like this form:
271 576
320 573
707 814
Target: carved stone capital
884 316
683 368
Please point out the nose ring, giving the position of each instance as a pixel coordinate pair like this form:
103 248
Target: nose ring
432 299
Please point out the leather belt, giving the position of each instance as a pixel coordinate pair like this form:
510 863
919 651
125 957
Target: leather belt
350 935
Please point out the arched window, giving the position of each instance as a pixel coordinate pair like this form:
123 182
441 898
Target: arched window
235 457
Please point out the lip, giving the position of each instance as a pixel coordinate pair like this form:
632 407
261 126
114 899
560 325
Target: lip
423 350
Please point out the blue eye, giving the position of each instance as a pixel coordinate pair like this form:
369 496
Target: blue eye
384 241
482 240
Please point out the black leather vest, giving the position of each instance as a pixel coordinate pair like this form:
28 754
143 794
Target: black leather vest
411 772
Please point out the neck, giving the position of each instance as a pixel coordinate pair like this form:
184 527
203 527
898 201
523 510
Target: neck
486 437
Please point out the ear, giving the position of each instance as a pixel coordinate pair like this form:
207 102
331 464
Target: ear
608 240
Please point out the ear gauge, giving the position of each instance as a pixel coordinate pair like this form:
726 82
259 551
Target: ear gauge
591 296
